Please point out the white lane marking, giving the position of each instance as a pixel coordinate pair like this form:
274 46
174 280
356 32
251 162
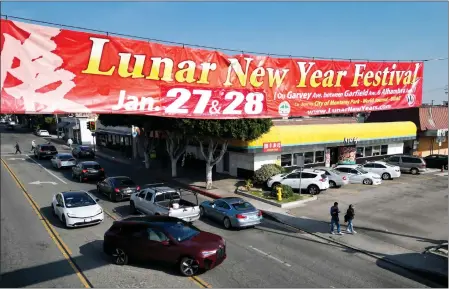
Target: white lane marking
39 182
62 181
270 256
304 217
13 159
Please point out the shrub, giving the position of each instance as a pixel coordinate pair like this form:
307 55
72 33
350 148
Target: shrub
267 171
248 185
287 191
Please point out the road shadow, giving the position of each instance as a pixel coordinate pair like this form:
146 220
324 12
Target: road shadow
52 219
123 210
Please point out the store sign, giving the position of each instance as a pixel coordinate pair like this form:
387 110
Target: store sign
351 140
46 70
269 147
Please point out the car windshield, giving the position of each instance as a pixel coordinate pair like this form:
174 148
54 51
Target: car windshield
85 148
361 170
242 206
65 157
181 232
78 200
124 182
92 166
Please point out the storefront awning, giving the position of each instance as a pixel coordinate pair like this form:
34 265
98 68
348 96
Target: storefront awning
331 135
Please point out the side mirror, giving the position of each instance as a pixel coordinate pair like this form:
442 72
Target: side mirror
97 200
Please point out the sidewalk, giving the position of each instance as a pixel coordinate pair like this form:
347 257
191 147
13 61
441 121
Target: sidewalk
430 265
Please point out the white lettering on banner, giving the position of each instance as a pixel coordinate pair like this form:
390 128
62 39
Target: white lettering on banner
39 67
351 140
252 102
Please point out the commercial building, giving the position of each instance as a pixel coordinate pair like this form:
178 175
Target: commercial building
338 141
116 138
75 127
432 124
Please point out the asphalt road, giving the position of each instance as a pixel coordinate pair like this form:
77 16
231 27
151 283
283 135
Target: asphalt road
271 255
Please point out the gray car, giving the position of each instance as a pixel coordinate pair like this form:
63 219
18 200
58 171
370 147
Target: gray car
408 164
336 178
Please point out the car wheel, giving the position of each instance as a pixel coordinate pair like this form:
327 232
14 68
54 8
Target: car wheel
227 223
313 190
63 220
386 176
367 182
112 197
120 257
188 266
202 213
132 208
80 179
332 184
414 171
53 212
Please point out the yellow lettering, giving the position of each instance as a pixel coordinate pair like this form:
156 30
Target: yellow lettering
186 74
274 76
340 75
328 78
96 52
357 74
237 68
123 68
258 72
367 78
314 78
206 67
156 68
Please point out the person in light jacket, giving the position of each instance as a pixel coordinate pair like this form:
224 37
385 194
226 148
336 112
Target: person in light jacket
33 145
349 217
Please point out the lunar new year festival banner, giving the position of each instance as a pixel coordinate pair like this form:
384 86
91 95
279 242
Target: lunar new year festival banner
50 70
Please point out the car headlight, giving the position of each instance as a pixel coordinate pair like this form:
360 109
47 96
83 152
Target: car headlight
99 212
71 215
208 253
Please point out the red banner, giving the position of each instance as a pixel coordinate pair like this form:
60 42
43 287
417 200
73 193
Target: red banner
269 147
50 70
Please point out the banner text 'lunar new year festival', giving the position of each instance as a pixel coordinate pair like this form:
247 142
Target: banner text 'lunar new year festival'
50 70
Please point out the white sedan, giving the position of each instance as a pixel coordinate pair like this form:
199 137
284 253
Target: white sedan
357 175
43 132
386 171
77 209
63 160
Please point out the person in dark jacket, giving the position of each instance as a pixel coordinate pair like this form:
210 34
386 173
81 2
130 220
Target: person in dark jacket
17 147
335 219
350 214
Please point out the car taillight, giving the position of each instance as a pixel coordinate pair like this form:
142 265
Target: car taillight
117 190
84 171
240 216
344 178
102 169
138 188
322 180
259 214
423 165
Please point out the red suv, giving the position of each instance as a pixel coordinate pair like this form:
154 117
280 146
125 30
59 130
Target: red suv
164 239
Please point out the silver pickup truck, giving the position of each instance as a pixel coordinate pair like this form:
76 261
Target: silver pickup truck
158 199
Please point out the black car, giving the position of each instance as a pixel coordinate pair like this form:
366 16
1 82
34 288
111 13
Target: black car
42 151
88 170
118 188
436 161
83 152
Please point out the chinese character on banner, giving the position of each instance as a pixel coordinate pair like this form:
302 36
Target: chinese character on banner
278 145
265 146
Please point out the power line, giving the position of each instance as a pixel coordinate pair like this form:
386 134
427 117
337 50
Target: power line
214 48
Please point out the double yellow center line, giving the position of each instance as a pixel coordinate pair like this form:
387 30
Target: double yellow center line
60 243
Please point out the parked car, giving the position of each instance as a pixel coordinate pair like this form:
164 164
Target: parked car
383 169
357 175
77 209
408 164
231 212
11 125
164 239
162 200
42 151
43 133
63 160
83 152
314 181
88 170
336 179
436 161
117 188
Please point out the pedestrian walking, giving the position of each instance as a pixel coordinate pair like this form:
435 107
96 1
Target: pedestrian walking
33 145
17 148
335 219
349 217
70 142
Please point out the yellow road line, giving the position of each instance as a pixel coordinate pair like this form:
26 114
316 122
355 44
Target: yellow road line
53 235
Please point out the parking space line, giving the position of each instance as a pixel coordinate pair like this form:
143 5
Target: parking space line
66 253
270 256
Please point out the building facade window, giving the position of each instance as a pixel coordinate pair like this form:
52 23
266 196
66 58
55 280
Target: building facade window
371 151
288 160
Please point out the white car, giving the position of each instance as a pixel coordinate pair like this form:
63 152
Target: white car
313 181
43 132
358 175
77 209
386 171
63 160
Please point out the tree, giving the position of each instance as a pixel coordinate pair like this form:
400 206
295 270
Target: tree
211 134
169 128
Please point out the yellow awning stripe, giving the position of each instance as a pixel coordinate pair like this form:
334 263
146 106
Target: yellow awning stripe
296 135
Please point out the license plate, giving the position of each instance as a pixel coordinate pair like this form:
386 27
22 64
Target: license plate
128 191
93 171
252 217
48 153
87 220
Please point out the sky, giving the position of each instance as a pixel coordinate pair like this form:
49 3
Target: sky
352 30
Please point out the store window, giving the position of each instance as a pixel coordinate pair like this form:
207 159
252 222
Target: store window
126 141
368 151
286 160
319 157
309 157
117 139
360 152
376 150
384 149
109 137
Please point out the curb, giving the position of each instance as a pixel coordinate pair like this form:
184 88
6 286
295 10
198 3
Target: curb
434 276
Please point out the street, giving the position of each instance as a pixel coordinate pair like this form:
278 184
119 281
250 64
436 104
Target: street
271 255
